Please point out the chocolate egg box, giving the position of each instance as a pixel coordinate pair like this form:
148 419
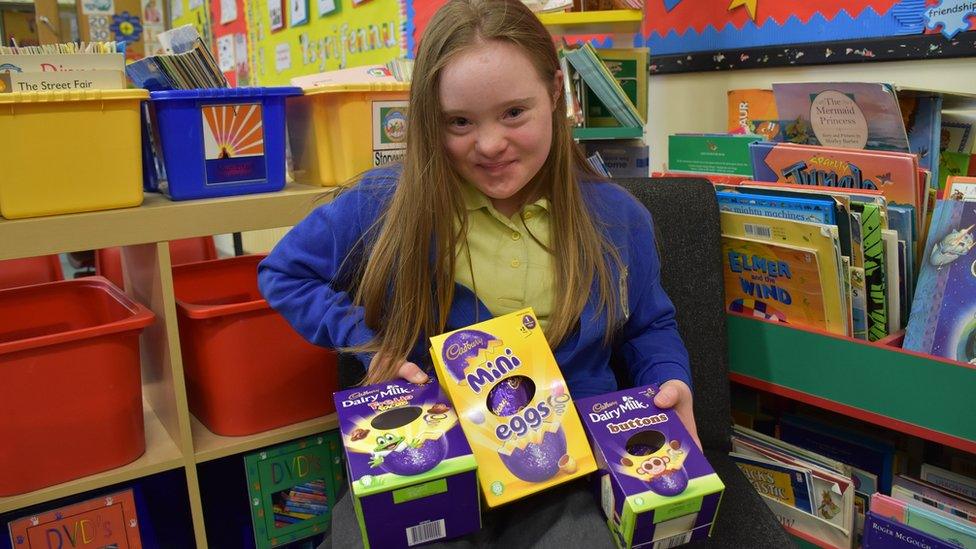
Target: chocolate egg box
653 483
411 470
513 405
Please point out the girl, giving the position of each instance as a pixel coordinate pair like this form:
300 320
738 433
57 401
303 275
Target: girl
493 209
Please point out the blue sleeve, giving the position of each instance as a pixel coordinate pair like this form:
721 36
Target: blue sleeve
649 340
306 276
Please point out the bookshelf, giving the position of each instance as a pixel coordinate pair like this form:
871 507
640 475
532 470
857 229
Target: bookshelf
174 438
923 396
593 22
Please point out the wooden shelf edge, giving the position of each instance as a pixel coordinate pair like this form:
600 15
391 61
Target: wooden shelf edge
858 413
593 22
209 446
158 219
161 455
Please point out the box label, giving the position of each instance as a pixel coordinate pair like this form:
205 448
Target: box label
419 491
291 489
389 131
108 521
233 143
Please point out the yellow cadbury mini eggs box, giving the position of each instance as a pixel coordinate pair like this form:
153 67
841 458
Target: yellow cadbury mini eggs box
513 406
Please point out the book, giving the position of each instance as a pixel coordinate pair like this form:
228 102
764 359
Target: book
881 532
951 164
598 78
861 451
960 188
774 281
753 111
106 521
629 68
941 321
933 522
785 483
892 280
895 175
353 75
710 153
796 208
822 239
852 115
910 489
922 116
949 480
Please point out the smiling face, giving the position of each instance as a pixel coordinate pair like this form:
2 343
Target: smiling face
497 120
386 442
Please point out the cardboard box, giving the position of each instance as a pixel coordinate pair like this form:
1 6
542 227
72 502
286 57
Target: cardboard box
411 471
654 484
513 405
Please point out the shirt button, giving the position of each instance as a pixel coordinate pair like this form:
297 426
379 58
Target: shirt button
516 235
516 263
528 215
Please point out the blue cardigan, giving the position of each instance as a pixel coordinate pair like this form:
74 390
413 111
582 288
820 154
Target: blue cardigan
307 277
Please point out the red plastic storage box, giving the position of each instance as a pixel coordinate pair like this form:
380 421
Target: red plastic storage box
246 369
70 383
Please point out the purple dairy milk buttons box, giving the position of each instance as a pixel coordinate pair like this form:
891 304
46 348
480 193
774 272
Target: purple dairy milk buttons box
653 483
411 471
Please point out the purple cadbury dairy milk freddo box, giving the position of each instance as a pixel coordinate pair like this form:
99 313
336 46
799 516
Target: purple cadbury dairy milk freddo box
411 472
654 485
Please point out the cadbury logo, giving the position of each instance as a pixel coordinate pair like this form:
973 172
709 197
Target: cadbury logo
458 349
601 406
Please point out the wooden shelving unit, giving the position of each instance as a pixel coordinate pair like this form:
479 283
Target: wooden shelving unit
593 22
174 438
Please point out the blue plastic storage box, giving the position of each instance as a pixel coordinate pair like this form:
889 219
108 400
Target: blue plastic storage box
222 141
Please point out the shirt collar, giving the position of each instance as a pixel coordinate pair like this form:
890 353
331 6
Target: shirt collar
476 200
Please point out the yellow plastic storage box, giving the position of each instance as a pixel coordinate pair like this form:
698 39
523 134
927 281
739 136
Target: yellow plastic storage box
66 152
341 130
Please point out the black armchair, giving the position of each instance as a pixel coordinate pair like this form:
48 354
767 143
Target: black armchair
688 232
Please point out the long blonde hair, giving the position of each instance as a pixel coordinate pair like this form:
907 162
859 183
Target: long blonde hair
407 285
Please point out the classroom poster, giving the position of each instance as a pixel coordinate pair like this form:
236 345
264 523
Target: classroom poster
229 28
347 36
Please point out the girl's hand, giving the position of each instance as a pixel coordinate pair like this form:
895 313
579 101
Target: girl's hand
407 370
676 394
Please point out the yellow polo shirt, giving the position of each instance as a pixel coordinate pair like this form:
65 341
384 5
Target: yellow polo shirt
511 270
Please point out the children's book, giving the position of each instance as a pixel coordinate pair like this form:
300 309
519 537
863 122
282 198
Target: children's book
785 483
953 530
875 264
842 204
894 175
753 111
957 132
881 532
629 67
901 219
796 208
710 153
922 114
599 79
892 280
850 115
833 494
774 281
961 188
861 451
942 317
954 482
910 489
819 238
106 521
951 164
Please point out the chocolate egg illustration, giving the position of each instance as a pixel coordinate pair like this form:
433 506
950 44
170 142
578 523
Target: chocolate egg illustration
400 454
510 395
460 346
413 460
537 462
670 483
